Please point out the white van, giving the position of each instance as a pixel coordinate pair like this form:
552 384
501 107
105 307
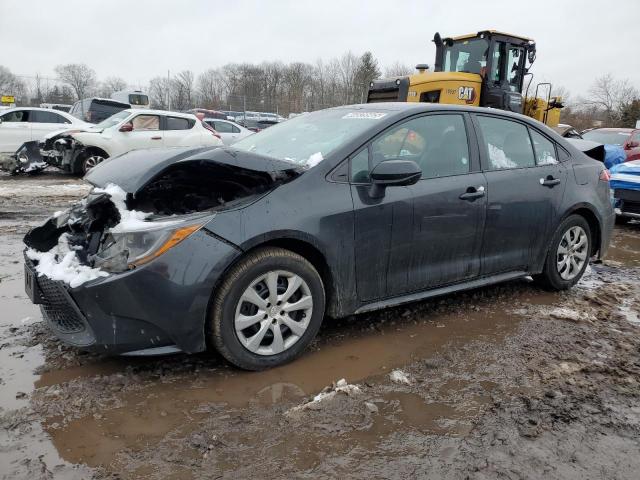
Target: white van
135 98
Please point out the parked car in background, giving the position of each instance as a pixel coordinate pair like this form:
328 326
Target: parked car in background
135 98
30 124
341 211
230 132
627 138
258 125
208 113
78 151
566 131
232 115
625 183
95 110
63 107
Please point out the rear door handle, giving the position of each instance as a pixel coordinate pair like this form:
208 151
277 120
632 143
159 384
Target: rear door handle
472 193
156 138
549 181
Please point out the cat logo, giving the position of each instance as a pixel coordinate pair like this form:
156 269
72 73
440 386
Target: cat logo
468 94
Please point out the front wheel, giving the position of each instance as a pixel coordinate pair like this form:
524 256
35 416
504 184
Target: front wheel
267 310
568 254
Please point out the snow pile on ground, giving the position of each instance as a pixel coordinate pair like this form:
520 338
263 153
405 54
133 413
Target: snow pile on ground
398 376
339 387
61 264
314 160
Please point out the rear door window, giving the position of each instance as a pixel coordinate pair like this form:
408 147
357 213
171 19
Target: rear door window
545 149
223 127
48 117
506 143
178 123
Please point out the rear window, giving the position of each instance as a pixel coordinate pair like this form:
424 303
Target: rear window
95 111
138 99
177 123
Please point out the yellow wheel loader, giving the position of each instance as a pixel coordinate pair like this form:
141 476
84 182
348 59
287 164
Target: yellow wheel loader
486 69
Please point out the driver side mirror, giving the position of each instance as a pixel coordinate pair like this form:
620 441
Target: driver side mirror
393 173
127 127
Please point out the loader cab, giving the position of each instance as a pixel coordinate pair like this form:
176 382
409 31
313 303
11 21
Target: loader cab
500 59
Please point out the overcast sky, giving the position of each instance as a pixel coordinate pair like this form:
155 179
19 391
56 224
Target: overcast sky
137 40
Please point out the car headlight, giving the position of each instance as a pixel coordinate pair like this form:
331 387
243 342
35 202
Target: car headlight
123 250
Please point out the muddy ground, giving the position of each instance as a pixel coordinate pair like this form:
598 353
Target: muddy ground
502 382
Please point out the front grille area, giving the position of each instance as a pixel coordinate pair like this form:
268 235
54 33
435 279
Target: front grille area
58 307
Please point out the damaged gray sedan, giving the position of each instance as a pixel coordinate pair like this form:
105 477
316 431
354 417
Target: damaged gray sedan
245 249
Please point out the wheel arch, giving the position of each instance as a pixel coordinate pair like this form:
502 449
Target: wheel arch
88 150
588 213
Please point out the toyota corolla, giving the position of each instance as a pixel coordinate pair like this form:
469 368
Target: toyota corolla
246 249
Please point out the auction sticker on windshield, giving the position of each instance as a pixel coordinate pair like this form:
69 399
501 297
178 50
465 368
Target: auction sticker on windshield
365 115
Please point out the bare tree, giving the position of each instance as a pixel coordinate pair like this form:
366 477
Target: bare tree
10 84
348 70
182 91
211 88
79 77
612 96
160 92
110 85
398 69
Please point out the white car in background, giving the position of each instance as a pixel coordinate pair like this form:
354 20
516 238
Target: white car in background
230 132
77 151
30 124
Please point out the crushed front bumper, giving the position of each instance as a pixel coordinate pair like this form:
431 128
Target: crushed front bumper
163 303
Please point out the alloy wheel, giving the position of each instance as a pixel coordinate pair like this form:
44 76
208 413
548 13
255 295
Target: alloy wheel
273 313
92 161
572 253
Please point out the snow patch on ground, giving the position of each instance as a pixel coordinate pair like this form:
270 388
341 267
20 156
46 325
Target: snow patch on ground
339 387
19 189
398 376
62 264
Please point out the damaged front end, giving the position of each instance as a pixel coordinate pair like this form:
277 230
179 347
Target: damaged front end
62 150
83 263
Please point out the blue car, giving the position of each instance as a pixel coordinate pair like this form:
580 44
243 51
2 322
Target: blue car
625 183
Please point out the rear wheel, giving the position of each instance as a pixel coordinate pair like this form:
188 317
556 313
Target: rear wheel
267 310
568 254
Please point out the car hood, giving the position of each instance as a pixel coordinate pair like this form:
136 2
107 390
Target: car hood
134 170
71 130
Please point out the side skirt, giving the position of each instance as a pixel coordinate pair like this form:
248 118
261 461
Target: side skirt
458 287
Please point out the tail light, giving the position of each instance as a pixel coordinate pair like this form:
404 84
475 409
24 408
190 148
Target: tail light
605 176
211 129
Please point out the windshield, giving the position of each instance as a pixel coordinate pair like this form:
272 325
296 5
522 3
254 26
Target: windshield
113 120
308 139
609 138
468 56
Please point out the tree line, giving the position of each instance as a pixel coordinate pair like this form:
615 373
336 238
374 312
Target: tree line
294 87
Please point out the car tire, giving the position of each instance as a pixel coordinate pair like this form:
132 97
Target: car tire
568 255
269 273
90 160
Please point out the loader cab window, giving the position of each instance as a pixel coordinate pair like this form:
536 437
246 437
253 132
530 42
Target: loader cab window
496 62
469 56
515 67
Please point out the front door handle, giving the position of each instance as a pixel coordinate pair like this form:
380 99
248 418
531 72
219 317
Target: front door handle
156 138
472 193
549 181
